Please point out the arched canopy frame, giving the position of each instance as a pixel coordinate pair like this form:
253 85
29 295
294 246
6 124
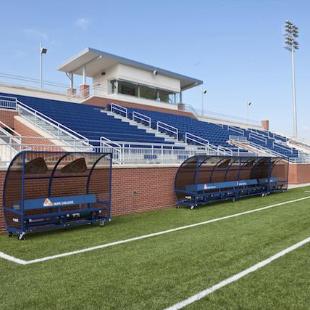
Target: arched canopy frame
191 171
35 175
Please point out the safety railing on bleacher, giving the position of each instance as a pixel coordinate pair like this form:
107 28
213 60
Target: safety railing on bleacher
167 129
42 121
8 103
141 118
33 83
258 138
193 139
115 108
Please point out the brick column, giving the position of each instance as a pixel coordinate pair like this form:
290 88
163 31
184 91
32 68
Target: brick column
84 90
265 124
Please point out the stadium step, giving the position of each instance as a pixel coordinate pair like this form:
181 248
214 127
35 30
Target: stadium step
52 130
147 129
252 147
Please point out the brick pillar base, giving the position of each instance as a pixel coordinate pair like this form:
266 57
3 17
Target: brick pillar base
84 90
265 124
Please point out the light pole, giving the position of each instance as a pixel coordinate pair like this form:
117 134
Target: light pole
291 34
203 100
248 105
43 51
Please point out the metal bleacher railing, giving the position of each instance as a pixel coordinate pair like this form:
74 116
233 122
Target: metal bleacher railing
124 152
141 118
63 138
171 131
44 122
222 117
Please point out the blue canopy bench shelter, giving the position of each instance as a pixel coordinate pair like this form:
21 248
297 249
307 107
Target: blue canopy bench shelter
52 190
203 179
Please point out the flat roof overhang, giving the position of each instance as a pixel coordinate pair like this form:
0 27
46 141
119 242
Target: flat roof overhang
97 61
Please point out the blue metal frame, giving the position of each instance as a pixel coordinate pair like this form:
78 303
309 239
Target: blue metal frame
195 194
54 216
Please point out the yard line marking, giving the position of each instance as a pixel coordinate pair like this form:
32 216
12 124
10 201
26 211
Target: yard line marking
106 245
237 276
12 259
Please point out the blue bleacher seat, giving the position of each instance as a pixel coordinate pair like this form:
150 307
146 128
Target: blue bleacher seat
217 135
89 121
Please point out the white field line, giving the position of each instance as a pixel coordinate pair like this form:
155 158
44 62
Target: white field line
237 276
107 245
12 259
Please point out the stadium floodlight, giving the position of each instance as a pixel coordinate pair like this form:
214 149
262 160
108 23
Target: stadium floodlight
43 51
291 44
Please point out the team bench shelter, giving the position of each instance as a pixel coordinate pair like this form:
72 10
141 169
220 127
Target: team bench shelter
203 179
52 190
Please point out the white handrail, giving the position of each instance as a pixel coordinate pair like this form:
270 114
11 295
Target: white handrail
237 130
288 149
262 139
142 117
60 127
147 144
191 109
8 102
119 109
191 137
166 127
259 134
114 147
10 133
264 149
238 138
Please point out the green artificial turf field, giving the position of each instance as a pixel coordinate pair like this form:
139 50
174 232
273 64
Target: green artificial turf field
158 272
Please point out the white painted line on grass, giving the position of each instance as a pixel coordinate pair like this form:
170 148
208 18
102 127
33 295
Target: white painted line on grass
237 276
12 259
107 245
102 246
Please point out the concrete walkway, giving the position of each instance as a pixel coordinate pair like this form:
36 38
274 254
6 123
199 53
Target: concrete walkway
290 186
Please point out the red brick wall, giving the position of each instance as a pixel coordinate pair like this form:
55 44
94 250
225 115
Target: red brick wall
299 173
2 175
102 102
142 189
133 190
7 117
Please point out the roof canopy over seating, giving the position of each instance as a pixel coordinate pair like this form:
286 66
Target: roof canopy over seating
204 169
92 62
37 174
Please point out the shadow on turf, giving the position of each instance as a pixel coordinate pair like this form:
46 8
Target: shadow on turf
115 222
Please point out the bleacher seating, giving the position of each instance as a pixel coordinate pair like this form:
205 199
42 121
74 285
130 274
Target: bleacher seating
89 121
269 140
211 132
218 135
92 123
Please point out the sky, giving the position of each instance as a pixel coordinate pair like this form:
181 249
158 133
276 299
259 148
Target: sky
234 46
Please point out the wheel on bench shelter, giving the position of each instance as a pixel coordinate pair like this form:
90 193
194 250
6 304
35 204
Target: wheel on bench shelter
21 236
74 189
202 179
